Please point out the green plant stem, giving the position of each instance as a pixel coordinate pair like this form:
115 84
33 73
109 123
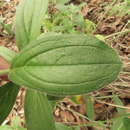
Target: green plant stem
3 72
118 33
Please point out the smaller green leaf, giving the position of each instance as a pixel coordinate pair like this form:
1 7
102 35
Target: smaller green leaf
89 106
60 126
38 111
29 17
8 94
7 54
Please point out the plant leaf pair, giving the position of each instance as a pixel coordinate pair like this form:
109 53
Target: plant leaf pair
29 17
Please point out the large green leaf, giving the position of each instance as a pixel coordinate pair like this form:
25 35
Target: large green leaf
8 94
66 65
6 53
29 17
38 112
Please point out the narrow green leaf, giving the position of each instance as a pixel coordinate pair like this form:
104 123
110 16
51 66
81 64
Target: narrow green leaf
29 17
8 94
38 112
117 101
7 54
65 64
60 126
89 106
